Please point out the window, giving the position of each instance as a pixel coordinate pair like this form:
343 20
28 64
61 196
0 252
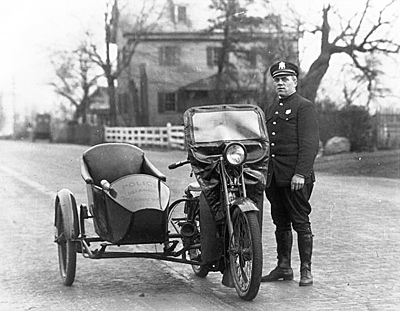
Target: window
251 58
213 55
247 57
181 14
167 102
169 55
170 101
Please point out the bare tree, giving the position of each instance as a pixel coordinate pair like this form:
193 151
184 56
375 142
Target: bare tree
247 38
76 76
361 36
113 68
267 38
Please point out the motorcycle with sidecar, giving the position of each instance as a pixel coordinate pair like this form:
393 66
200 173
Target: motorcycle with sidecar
214 226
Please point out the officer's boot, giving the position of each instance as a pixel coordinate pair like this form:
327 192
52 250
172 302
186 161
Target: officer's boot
283 270
305 243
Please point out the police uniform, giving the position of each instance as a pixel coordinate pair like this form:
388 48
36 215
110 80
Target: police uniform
293 132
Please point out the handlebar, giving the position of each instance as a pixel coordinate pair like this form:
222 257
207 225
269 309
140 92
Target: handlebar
178 164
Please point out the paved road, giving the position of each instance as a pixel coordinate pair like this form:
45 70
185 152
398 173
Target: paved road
356 263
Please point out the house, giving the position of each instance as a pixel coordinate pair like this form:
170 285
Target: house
99 108
175 65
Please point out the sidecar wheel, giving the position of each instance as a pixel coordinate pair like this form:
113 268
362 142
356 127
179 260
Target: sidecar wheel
200 271
245 254
66 246
183 213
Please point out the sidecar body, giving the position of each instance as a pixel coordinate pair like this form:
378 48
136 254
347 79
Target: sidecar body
127 194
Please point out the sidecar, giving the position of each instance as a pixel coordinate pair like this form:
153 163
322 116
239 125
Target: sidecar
128 201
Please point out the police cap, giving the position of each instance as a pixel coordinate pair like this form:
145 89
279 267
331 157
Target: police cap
284 69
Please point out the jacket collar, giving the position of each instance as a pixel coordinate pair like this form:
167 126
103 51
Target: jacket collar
284 99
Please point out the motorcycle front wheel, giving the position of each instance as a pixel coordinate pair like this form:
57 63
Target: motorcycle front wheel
245 254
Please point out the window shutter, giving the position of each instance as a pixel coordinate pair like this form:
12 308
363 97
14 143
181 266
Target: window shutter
178 52
209 56
160 55
161 102
180 100
253 58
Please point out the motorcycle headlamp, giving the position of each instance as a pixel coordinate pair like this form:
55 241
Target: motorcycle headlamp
235 154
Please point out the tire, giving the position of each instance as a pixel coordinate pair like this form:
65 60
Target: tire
188 211
245 254
199 270
66 250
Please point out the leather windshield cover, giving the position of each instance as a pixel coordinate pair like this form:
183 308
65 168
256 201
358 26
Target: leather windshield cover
208 129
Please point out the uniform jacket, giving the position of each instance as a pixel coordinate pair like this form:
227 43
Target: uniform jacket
293 132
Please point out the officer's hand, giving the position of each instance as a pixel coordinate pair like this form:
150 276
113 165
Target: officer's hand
297 182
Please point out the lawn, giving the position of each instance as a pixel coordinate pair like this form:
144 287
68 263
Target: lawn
373 164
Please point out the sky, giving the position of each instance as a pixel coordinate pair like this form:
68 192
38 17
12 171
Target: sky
30 30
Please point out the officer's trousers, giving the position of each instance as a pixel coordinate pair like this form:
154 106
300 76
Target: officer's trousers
290 208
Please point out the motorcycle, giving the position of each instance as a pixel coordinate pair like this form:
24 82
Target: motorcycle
214 226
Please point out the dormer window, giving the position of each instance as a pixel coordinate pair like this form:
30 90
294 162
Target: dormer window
181 10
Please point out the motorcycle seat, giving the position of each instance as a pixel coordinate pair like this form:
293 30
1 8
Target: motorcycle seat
194 186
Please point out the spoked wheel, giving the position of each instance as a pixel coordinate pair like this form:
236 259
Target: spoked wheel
188 212
199 270
66 226
245 254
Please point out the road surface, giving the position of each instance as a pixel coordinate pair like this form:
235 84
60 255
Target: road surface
356 265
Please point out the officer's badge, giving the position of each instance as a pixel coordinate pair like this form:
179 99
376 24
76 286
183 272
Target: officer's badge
289 111
282 65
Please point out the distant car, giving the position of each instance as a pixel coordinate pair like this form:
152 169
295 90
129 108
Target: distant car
41 128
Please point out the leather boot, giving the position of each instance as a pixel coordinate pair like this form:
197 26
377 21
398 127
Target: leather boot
283 270
305 243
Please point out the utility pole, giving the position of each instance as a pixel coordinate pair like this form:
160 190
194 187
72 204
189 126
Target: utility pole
14 103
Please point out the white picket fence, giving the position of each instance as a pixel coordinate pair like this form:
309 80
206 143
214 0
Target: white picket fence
169 136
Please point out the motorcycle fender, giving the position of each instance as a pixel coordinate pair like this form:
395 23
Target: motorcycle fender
69 211
245 205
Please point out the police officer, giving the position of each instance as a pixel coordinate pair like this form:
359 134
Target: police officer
293 133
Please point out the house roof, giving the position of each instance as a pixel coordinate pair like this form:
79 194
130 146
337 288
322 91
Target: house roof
210 84
198 36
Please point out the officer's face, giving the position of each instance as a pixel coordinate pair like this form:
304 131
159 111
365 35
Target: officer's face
285 85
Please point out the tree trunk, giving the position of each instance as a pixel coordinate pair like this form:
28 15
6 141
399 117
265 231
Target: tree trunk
308 86
112 101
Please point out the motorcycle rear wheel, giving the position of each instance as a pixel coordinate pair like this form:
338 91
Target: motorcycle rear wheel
245 254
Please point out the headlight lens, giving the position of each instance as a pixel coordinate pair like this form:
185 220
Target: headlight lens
235 154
